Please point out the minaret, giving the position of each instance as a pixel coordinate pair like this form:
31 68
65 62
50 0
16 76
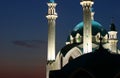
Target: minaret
51 16
113 38
87 29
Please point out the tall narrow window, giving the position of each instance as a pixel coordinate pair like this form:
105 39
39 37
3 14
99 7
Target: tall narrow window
61 62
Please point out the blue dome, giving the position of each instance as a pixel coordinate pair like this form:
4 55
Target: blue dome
96 28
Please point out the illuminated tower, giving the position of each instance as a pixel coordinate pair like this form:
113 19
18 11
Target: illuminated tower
87 29
51 16
113 38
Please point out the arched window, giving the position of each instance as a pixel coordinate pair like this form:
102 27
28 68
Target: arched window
71 58
61 62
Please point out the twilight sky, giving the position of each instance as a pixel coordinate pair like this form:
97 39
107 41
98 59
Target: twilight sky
23 32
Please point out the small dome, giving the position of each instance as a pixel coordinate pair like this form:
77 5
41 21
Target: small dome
96 28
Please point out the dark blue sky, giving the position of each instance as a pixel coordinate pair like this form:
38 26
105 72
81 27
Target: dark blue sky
23 32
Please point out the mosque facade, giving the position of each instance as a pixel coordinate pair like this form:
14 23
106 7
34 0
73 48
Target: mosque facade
83 39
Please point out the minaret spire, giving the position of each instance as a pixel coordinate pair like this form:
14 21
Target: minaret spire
51 16
87 29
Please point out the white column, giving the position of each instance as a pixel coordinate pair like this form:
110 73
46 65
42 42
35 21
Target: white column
52 15
87 29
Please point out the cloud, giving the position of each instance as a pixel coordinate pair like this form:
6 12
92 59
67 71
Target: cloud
30 43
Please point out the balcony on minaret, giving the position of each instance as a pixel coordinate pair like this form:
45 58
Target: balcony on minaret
86 3
51 9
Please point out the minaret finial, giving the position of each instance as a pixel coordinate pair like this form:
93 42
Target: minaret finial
51 0
112 20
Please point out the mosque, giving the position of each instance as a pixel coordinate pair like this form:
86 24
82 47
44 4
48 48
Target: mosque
83 39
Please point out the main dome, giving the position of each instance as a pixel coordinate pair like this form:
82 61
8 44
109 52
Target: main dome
96 28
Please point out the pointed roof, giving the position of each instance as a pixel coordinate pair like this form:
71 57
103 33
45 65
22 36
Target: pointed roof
112 27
